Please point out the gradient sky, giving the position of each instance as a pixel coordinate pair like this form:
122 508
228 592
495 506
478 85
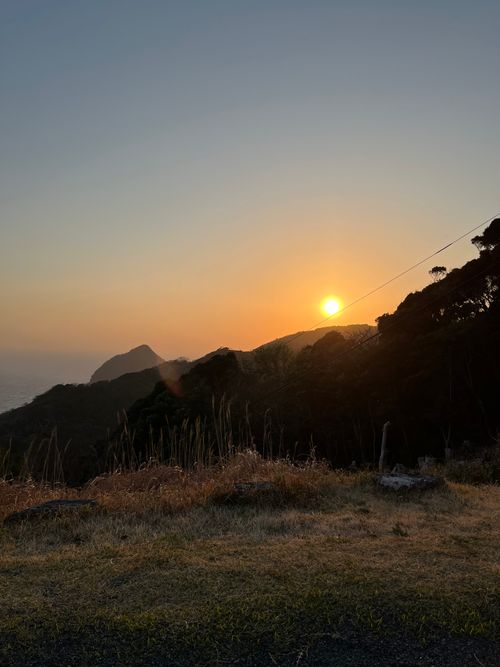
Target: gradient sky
197 174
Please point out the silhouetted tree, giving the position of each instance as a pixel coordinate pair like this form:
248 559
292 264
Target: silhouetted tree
273 360
490 238
437 272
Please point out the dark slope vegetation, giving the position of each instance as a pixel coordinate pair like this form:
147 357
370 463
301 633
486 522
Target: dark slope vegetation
75 416
433 372
78 418
301 339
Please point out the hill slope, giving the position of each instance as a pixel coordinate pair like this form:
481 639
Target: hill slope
83 415
137 359
300 339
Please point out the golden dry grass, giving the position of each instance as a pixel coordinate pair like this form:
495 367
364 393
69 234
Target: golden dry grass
165 560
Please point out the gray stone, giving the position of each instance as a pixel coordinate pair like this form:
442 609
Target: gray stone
407 482
50 509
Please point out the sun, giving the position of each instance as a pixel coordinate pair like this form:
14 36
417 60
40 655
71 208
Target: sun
331 306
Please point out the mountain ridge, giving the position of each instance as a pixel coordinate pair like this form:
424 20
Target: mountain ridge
143 357
137 359
300 339
80 415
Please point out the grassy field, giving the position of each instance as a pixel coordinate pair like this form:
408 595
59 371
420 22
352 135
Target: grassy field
321 569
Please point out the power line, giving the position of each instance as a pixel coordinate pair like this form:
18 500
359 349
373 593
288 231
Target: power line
394 278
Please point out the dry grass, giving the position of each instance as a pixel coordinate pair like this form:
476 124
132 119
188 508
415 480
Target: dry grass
165 563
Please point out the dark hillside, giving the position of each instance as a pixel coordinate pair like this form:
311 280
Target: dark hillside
78 417
301 339
75 414
433 372
137 359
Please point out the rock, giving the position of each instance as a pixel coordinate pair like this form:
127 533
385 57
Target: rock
407 482
49 509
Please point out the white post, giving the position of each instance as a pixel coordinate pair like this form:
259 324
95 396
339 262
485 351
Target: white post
383 448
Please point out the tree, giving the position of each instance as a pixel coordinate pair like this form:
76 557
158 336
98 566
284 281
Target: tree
438 273
273 360
490 238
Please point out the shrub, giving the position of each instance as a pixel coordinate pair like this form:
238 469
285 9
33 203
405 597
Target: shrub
475 471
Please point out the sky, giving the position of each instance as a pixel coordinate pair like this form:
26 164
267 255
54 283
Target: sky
199 174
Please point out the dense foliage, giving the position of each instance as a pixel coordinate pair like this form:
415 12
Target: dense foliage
433 370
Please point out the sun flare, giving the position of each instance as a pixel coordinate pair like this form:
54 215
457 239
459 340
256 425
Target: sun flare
331 306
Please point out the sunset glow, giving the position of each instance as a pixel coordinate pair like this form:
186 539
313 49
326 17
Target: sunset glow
331 306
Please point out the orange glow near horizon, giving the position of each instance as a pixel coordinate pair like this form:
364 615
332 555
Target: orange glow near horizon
152 295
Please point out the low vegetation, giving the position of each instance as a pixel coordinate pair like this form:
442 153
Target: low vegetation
173 568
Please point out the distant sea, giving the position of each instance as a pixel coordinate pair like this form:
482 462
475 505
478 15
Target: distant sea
28 374
16 391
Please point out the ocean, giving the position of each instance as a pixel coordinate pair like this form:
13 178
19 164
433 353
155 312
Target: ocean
28 374
17 391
